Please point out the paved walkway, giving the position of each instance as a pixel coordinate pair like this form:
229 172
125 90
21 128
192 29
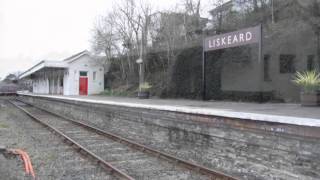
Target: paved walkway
266 108
272 112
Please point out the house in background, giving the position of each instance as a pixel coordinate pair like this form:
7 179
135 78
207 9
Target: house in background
80 74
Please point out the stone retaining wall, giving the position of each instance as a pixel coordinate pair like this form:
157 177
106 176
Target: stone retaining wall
243 148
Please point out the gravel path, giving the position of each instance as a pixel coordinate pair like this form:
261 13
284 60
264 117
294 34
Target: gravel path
51 158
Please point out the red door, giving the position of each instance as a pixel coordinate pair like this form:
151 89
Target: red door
83 86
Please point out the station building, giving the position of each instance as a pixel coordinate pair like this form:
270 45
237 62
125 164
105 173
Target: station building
80 74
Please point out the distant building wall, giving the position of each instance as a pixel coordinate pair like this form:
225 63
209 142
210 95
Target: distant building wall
247 76
237 76
290 44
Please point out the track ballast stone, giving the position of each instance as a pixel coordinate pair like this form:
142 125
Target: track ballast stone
135 163
52 159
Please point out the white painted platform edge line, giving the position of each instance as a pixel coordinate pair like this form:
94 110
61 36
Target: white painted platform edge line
203 111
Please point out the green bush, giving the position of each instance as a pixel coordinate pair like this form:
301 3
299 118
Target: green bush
111 92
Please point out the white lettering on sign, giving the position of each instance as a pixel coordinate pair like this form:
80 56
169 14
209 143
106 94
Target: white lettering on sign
229 40
233 39
248 36
223 41
241 38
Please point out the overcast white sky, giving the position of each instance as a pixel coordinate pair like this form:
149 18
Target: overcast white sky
33 30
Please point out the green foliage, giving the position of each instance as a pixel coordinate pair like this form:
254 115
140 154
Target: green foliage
4 126
309 80
145 86
111 92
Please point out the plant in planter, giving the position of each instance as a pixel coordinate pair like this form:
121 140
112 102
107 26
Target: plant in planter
144 92
310 83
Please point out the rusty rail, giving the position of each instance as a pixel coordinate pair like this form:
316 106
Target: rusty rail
107 166
190 165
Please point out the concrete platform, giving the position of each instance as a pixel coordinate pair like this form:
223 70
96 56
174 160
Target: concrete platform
292 114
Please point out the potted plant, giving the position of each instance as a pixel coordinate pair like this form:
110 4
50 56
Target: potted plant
309 81
144 91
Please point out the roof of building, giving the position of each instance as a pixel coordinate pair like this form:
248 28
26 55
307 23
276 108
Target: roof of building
76 56
223 7
53 64
43 64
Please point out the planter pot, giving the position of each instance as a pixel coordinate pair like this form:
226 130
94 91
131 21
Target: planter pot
310 99
143 95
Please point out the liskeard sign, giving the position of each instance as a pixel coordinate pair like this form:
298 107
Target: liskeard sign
233 39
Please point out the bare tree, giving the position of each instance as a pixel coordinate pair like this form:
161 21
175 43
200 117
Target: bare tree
191 18
128 30
105 36
124 31
105 41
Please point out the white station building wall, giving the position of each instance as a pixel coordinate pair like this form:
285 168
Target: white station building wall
71 78
41 86
48 82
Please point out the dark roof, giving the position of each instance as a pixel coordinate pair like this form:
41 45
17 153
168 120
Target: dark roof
223 7
75 55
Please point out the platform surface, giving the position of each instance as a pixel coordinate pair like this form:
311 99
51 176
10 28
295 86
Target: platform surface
271 112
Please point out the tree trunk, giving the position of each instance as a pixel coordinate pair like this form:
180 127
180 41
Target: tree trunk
318 48
122 69
130 68
255 5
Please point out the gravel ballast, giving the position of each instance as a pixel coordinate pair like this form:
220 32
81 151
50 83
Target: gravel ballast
51 157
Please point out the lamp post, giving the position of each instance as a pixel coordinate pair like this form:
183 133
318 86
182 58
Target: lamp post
141 72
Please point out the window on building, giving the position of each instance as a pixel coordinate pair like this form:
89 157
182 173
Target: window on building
83 73
310 63
94 75
287 64
266 67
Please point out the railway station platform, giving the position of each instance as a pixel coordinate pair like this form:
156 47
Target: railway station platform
271 112
245 140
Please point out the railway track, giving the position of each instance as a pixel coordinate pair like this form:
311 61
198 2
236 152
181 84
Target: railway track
119 156
54 160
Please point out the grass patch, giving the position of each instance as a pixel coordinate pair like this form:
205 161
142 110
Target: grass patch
111 92
3 126
51 157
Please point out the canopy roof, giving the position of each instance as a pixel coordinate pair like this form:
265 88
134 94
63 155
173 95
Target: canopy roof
44 64
53 64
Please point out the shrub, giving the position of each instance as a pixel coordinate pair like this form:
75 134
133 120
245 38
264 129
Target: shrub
111 92
309 81
145 86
